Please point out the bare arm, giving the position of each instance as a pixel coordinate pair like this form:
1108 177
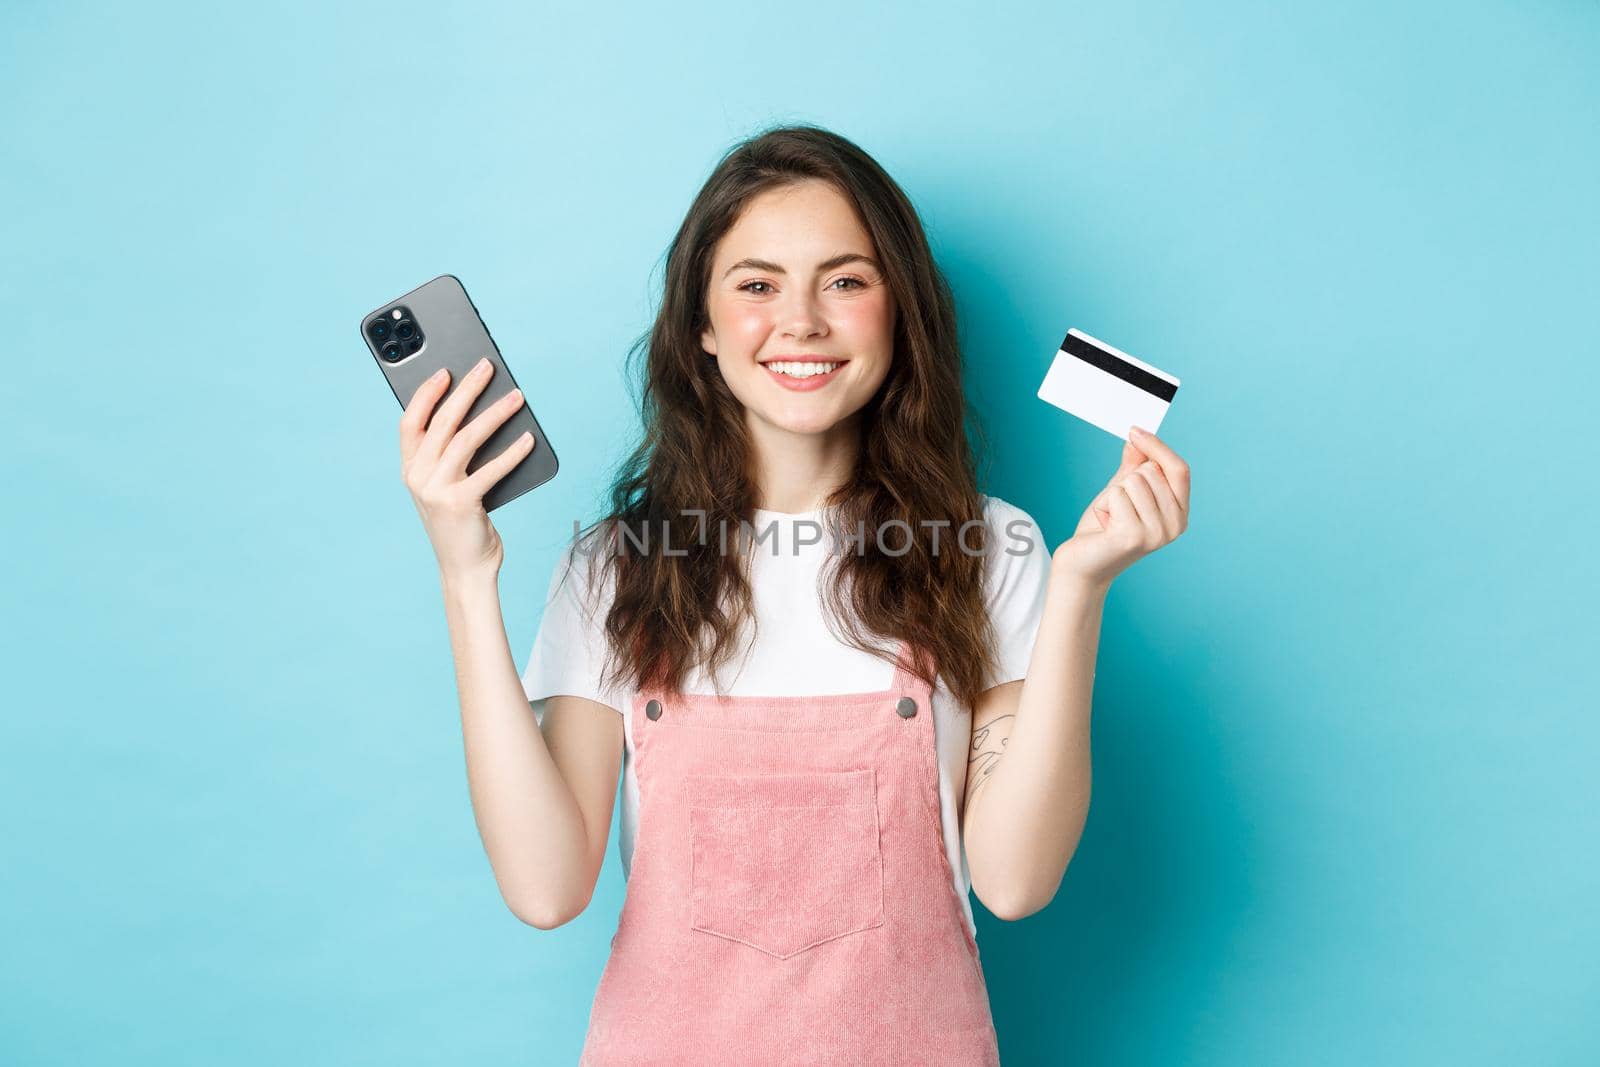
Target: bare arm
1028 779
543 800
1028 784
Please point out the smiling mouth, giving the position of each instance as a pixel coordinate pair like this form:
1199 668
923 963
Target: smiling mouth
800 370
803 376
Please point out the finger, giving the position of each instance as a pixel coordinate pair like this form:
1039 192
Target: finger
1171 515
1131 458
480 481
414 420
444 423
1101 504
1120 505
1172 465
1144 503
471 437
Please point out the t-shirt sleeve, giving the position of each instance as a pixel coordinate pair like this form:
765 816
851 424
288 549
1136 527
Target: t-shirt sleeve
568 653
1016 580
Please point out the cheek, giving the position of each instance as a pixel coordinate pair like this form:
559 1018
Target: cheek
866 318
746 321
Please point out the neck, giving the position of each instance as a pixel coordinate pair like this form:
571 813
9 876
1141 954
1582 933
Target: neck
796 472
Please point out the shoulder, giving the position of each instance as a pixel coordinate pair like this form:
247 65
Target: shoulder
580 583
1017 558
570 650
1015 531
1016 581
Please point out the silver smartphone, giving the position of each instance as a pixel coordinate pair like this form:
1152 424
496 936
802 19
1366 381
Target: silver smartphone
436 325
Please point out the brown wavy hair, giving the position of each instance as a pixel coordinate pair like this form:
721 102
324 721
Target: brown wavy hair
689 475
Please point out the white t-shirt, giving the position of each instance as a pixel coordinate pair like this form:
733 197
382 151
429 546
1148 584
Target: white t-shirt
569 651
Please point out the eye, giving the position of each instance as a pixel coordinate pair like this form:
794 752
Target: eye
746 287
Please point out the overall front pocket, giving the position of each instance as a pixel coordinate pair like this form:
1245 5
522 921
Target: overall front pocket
785 862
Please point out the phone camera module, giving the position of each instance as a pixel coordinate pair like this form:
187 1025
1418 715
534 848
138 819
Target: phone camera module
395 334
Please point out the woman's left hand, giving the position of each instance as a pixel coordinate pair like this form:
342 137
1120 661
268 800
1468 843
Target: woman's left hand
1144 506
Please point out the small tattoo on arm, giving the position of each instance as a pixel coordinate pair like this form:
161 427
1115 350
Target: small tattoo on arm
988 745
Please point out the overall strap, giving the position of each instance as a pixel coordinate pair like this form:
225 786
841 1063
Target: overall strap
905 678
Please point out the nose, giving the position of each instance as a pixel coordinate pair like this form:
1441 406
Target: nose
802 316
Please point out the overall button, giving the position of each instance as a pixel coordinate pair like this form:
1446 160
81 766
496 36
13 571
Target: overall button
906 708
653 709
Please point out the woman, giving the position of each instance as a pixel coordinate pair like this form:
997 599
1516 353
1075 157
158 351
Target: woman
798 839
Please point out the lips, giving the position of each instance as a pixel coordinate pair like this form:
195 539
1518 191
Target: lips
803 385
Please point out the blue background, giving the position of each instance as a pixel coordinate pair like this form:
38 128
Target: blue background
1345 732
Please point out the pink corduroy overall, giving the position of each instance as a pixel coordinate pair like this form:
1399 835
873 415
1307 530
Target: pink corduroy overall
790 899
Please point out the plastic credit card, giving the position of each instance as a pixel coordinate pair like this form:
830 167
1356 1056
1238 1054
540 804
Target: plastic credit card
1107 387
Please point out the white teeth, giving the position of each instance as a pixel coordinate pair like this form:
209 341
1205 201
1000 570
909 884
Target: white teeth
803 370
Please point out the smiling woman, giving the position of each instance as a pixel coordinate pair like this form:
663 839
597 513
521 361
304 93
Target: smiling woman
792 837
797 842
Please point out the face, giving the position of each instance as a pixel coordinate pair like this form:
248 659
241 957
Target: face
801 318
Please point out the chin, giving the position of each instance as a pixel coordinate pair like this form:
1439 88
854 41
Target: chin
804 425
802 422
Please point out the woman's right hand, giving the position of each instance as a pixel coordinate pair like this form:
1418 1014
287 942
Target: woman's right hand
433 461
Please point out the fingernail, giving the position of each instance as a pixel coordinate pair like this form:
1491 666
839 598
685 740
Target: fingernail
482 363
1139 431
437 375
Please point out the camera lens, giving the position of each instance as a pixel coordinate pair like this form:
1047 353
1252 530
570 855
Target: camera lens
404 330
414 344
391 351
379 328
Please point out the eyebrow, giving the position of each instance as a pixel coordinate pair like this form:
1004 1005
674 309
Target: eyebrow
828 264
